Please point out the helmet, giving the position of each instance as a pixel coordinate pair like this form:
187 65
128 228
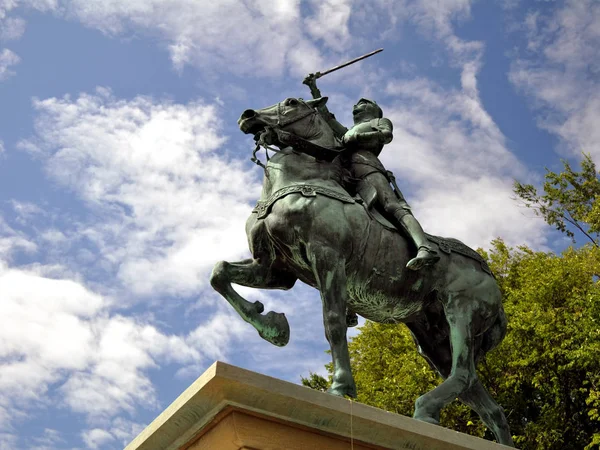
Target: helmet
375 105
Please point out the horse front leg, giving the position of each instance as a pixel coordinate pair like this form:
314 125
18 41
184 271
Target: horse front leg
330 274
272 327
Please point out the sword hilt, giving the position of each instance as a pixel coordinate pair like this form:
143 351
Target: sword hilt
311 81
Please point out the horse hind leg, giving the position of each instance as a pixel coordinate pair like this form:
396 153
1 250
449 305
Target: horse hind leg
478 398
439 358
462 374
435 349
273 327
490 412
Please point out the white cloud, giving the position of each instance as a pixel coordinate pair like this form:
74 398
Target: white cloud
26 211
125 430
262 38
12 241
241 37
453 156
49 440
58 336
559 71
434 19
97 438
173 203
12 28
8 441
330 22
115 380
8 58
119 429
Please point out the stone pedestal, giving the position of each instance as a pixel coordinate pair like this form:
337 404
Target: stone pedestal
229 408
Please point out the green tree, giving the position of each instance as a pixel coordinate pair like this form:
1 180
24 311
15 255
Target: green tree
546 372
317 382
571 200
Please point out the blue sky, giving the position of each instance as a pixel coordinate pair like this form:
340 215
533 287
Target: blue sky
124 178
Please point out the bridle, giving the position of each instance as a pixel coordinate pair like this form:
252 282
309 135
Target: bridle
279 125
283 123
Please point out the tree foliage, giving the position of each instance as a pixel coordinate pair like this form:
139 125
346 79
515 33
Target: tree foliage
571 200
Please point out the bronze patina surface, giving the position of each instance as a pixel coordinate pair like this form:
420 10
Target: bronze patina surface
316 233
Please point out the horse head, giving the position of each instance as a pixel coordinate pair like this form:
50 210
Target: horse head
293 115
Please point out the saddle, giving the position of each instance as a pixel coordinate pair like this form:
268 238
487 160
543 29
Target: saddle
366 195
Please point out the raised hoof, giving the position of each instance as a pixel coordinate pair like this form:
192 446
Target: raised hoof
260 308
276 329
351 319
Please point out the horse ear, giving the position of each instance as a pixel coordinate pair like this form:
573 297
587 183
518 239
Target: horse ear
317 102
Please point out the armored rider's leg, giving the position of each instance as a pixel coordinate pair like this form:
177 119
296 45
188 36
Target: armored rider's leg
394 205
425 255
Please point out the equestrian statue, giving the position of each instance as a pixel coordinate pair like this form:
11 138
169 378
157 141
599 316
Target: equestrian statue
328 216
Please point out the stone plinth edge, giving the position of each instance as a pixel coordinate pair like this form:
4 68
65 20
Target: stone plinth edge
224 388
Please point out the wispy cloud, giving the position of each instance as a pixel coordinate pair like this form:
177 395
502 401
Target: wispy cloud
330 22
559 71
456 161
61 343
97 438
172 200
12 240
12 28
260 35
8 58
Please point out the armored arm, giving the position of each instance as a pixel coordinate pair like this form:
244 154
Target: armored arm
381 133
338 128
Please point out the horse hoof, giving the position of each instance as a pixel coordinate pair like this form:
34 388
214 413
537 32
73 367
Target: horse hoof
351 320
427 419
276 329
259 307
342 391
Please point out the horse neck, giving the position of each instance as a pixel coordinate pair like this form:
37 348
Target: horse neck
289 167
315 130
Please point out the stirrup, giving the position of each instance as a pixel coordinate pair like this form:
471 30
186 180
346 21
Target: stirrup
428 249
417 262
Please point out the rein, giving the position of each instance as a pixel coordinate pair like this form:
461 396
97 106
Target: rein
281 124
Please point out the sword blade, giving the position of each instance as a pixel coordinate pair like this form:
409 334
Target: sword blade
333 69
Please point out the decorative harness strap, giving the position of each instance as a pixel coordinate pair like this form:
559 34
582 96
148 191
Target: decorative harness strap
449 245
298 143
263 208
304 146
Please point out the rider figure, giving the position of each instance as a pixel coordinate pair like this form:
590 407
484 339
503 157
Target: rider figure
364 141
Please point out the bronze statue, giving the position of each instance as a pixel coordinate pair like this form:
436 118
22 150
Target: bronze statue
364 141
306 226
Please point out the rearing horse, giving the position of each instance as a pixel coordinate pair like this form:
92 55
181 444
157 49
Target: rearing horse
307 227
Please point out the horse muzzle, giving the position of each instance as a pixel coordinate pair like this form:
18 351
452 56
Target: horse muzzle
250 122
